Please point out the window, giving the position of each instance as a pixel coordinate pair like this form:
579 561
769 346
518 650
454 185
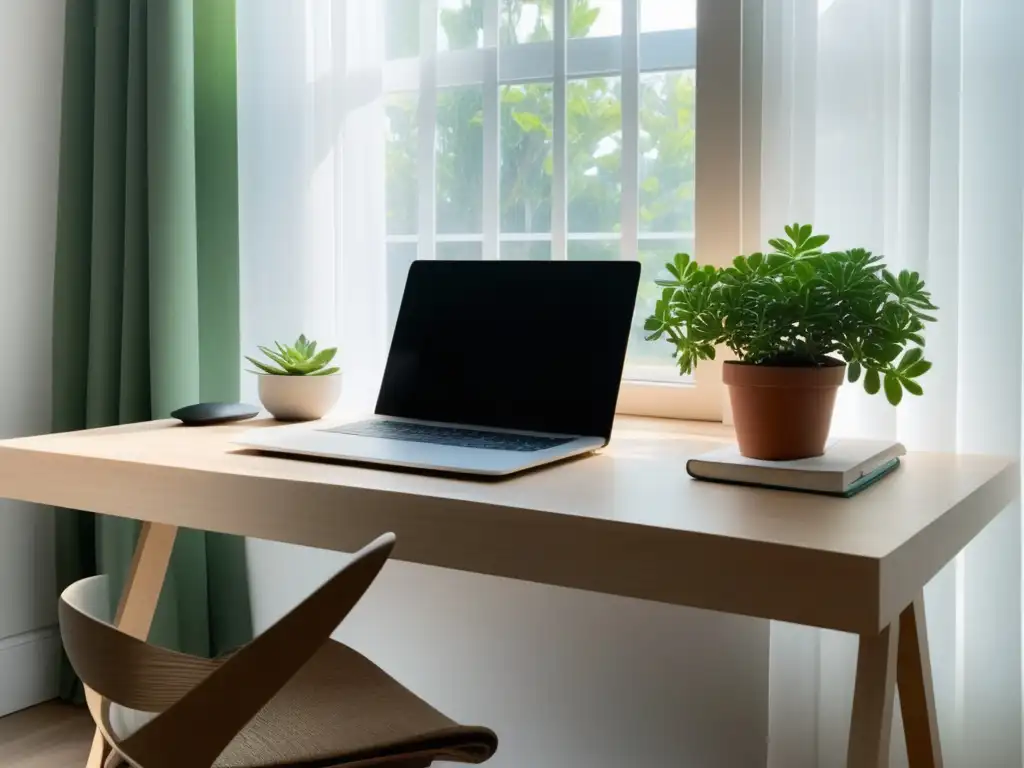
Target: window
568 129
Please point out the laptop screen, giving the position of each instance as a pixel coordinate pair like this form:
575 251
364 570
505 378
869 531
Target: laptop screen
531 345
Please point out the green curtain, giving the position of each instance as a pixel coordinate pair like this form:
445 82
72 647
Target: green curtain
146 283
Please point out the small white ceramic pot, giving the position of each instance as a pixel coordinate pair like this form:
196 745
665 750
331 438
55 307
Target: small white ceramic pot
299 398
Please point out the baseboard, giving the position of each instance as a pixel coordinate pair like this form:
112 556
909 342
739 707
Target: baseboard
29 669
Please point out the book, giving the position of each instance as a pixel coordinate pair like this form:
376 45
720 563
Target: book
847 467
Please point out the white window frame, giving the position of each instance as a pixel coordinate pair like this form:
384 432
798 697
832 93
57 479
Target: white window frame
725 50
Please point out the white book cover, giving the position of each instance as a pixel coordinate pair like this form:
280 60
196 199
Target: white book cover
844 462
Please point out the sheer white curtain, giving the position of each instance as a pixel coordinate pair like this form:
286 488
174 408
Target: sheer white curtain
311 132
897 125
375 133
891 124
348 147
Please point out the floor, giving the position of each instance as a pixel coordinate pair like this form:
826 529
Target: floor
51 735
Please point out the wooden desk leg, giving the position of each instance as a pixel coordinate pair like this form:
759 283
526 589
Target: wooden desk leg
917 698
138 601
874 690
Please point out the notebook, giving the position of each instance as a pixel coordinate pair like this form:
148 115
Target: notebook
846 468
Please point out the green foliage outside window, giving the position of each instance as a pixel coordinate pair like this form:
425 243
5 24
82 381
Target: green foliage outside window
593 150
594 141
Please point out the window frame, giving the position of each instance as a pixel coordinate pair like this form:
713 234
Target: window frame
724 49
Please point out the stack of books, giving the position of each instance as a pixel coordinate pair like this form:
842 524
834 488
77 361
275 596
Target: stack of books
846 468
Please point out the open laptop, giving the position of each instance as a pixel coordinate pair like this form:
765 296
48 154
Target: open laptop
495 367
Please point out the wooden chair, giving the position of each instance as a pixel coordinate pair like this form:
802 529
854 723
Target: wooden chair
291 697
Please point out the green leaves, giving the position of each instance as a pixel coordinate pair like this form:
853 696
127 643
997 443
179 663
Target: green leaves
581 20
893 389
900 378
528 121
264 367
299 359
800 305
804 271
872 381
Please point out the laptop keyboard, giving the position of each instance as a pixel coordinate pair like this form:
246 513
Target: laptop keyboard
457 436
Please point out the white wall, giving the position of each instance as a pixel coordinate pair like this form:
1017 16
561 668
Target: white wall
31 51
567 679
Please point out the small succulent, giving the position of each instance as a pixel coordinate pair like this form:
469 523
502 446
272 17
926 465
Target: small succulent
298 359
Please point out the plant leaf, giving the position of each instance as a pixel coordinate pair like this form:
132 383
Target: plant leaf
292 364
893 389
266 368
324 356
814 243
804 271
872 382
889 352
917 369
284 350
853 371
281 360
912 387
910 357
528 121
306 367
326 371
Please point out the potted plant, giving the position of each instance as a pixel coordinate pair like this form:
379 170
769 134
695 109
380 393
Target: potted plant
298 383
796 318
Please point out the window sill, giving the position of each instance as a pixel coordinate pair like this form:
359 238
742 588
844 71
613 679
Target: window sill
673 429
683 400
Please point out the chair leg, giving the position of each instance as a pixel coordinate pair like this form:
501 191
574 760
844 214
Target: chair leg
114 760
99 752
138 602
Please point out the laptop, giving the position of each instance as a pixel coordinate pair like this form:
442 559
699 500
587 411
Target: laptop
495 367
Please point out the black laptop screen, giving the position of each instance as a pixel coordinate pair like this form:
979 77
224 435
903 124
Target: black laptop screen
517 344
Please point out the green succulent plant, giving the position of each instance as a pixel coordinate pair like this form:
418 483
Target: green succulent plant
298 359
799 305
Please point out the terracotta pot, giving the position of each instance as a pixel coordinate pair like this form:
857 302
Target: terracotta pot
782 412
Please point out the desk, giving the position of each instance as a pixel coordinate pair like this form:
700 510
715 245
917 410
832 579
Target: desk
627 521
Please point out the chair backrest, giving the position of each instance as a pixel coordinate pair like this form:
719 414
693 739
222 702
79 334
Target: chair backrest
186 689
118 667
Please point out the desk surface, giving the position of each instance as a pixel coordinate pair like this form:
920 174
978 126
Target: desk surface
627 521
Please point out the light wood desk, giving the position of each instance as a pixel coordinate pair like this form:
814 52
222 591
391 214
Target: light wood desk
625 522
